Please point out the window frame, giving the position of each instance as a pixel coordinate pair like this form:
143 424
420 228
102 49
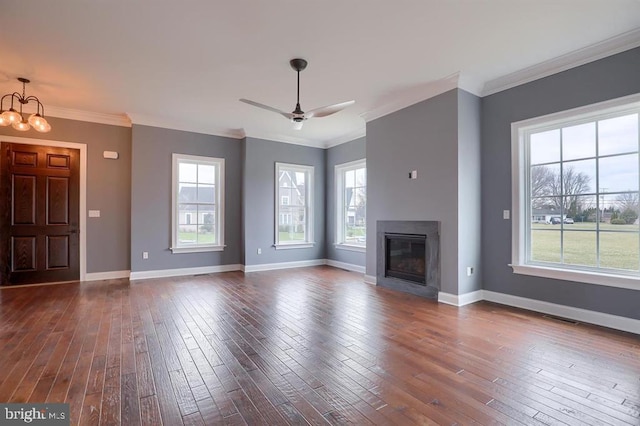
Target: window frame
339 173
218 163
309 206
520 197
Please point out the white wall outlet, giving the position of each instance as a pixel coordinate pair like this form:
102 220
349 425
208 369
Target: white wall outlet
506 214
145 254
259 251
469 271
94 213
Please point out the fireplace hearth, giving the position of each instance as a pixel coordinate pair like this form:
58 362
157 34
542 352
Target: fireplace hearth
408 256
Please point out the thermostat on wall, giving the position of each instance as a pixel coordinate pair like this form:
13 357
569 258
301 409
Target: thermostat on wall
111 155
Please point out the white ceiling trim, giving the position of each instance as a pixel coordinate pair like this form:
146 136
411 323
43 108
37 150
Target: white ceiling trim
163 123
278 137
617 44
411 97
121 120
347 137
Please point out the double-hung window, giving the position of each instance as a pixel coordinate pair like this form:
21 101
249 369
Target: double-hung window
198 204
294 206
576 198
351 205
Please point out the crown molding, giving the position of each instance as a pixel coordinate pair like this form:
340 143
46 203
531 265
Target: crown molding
121 120
348 137
279 137
164 123
611 46
412 96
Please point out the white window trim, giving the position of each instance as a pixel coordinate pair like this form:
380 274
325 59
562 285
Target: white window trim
309 202
518 197
339 171
220 184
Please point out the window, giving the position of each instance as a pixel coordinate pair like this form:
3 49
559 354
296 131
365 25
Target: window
198 204
351 205
294 209
576 195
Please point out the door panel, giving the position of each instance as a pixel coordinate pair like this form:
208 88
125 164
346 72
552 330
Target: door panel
39 239
24 253
24 204
58 201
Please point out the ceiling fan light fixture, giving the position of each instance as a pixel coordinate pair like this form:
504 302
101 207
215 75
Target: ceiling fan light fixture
16 119
298 116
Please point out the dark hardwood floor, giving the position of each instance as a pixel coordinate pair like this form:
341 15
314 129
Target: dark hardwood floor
312 345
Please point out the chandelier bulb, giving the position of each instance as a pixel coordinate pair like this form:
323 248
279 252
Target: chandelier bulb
12 116
43 127
22 126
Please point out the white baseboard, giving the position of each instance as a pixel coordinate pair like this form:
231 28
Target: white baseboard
583 315
284 265
460 299
370 279
347 266
110 275
162 273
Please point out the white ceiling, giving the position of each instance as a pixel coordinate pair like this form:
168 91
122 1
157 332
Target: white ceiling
185 64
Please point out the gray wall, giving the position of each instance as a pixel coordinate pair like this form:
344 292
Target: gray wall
108 187
340 154
469 207
259 209
151 197
422 137
598 81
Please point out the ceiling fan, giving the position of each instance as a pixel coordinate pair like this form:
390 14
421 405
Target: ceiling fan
298 116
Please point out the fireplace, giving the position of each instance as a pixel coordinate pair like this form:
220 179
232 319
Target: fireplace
408 256
405 257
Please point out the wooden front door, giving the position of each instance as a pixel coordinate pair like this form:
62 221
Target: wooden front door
39 214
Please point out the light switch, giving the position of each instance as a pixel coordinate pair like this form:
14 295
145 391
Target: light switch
413 174
506 214
94 213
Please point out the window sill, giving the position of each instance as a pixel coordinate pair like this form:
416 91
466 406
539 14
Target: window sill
588 277
350 247
293 246
199 249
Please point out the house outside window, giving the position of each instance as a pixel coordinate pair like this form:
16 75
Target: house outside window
351 205
198 204
576 194
294 209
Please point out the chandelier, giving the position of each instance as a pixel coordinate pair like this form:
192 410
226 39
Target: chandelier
16 119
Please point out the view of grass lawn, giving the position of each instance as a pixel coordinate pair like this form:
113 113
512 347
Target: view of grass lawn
291 236
618 250
192 237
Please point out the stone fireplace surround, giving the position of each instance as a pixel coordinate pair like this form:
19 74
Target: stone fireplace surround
432 252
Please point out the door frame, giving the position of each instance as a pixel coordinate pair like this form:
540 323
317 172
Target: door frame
83 187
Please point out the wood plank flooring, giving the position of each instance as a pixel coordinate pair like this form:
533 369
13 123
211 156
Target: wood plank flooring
304 346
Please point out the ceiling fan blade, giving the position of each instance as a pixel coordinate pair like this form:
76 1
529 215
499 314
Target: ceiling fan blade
268 108
328 110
